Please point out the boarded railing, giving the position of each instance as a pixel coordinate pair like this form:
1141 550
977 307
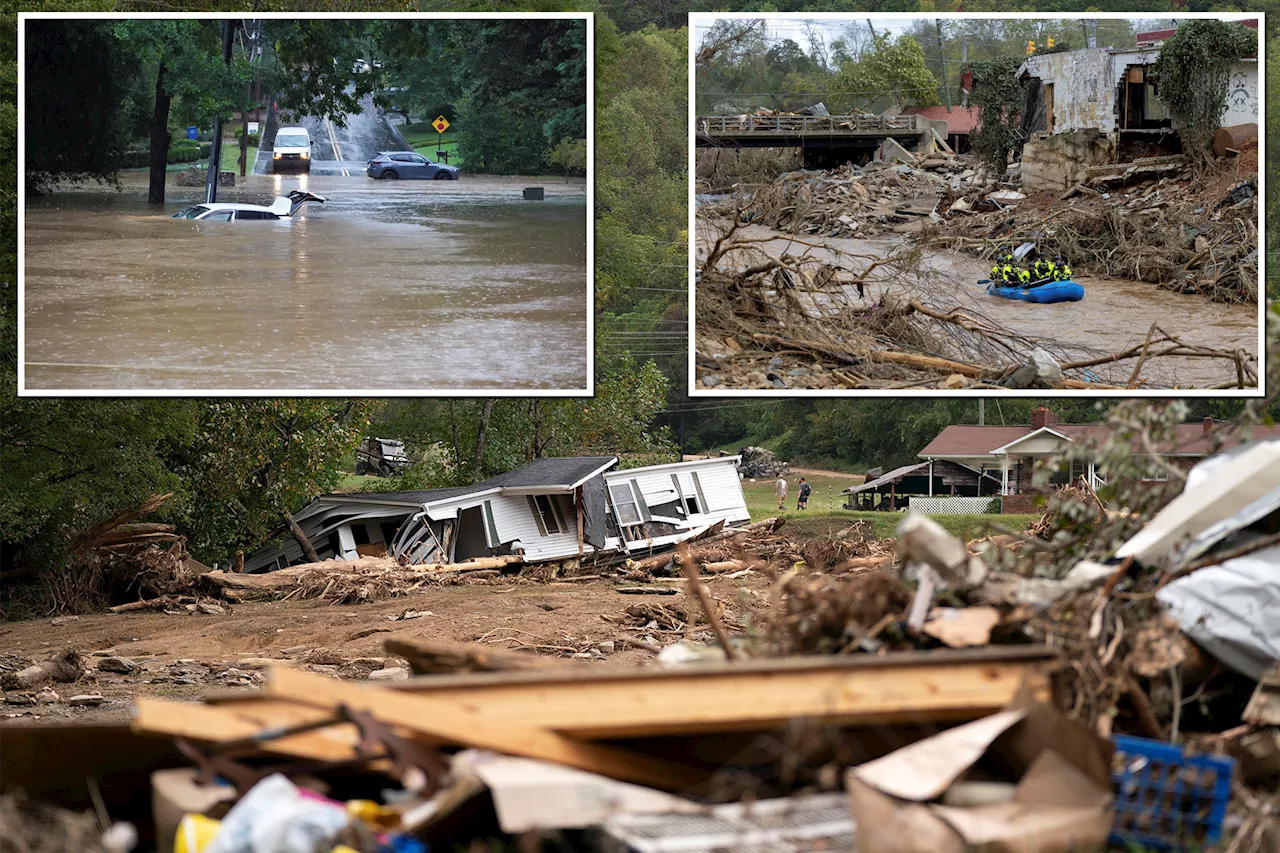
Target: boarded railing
794 125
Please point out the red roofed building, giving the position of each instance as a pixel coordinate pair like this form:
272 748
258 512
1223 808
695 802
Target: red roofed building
1008 453
1155 38
961 121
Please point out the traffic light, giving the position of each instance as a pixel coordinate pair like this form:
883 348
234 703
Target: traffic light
1031 48
1048 44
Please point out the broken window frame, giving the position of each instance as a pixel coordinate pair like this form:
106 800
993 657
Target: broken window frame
540 515
693 504
635 503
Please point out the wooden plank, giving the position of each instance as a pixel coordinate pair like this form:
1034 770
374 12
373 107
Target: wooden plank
593 703
221 724
460 722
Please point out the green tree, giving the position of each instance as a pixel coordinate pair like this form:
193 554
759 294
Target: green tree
185 60
250 461
892 71
999 96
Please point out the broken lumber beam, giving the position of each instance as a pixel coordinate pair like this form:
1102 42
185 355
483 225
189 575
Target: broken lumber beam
647 590
259 721
441 718
430 657
594 702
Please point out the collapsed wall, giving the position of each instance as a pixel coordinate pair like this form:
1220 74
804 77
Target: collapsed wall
1057 162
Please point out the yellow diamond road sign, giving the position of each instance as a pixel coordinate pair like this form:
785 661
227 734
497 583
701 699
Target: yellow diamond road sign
441 124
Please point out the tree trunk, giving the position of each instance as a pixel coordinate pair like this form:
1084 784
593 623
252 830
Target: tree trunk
303 542
482 431
159 141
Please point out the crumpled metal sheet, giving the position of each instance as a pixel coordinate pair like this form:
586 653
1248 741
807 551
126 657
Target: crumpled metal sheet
1232 610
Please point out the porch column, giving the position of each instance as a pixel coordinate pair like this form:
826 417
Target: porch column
1004 475
930 478
1093 483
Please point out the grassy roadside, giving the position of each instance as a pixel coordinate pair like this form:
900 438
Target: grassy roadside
230 161
422 137
824 515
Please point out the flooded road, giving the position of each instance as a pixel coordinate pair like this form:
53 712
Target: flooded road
457 285
1114 315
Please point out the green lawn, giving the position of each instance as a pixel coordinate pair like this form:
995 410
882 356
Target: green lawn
422 137
824 515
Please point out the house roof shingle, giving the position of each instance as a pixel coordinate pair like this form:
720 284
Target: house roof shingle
970 440
554 473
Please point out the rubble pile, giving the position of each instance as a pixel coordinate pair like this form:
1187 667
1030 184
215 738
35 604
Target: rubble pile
863 201
919 682
1152 220
760 463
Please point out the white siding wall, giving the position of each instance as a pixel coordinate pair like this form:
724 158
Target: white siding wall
720 483
513 517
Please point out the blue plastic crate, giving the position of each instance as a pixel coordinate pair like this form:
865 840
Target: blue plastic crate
1165 798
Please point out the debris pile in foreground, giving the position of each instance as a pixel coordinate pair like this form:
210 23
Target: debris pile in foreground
881 696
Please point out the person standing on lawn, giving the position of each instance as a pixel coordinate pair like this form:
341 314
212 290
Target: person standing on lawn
780 491
802 498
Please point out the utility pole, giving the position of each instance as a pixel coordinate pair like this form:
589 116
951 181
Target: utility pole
215 154
253 30
982 412
872 28
942 60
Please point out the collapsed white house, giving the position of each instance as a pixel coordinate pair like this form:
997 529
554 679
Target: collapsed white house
549 509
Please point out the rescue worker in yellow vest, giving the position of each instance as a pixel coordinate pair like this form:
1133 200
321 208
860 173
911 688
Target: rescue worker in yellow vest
1024 276
1061 271
1042 269
1003 269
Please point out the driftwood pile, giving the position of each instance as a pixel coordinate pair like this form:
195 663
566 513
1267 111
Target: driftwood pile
759 313
859 202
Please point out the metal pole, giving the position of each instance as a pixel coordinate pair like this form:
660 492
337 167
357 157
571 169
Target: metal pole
982 412
942 60
215 153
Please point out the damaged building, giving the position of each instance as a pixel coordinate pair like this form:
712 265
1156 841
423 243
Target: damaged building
1097 105
549 509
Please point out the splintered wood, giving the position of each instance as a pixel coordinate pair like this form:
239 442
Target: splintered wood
576 715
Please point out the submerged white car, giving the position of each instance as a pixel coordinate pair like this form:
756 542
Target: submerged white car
282 208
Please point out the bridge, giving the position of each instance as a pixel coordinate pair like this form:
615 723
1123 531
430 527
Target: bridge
825 140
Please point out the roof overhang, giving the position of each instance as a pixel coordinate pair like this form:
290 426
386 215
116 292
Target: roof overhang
671 466
1003 450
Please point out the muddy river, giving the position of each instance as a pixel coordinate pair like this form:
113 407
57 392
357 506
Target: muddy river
455 285
1114 315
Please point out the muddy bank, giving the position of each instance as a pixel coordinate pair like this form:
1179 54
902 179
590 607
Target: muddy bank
386 286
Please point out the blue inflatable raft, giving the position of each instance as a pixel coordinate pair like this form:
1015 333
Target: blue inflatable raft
1054 291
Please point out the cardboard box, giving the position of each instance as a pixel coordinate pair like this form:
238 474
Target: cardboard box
1060 800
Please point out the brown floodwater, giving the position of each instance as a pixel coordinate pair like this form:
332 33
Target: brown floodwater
1114 315
457 285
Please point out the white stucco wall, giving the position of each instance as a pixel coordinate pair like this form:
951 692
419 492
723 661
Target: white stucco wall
1242 95
1085 85
1084 94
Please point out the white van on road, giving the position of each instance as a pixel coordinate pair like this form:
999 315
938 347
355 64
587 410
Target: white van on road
291 150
